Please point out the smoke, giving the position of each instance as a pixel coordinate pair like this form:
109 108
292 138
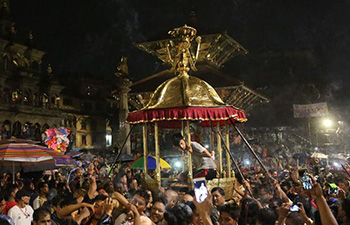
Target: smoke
332 89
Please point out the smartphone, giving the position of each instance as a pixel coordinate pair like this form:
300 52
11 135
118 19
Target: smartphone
294 208
200 189
333 191
306 181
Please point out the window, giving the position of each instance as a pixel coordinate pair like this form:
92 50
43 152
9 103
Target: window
83 139
83 124
93 140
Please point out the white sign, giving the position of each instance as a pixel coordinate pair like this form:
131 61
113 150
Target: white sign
310 110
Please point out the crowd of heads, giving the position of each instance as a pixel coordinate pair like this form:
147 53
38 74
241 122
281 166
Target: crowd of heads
88 195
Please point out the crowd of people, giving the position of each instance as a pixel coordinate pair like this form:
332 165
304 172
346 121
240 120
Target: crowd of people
89 196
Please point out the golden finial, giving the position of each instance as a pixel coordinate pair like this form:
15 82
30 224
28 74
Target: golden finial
122 68
185 58
30 35
13 29
49 69
184 32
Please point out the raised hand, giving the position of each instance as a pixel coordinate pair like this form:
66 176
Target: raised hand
108 204
205 208
316 190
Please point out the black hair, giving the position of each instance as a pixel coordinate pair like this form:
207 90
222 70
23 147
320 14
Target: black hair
61 185
57 200
176 138
219 189
266 216
2 196
183 214
41 185
144 194
52 184
20 194
108 188
10 189
249 211
266 186
170 218
100 198
5 221
39 213
160 199
286 183
67 201
273 207
231 209
278 200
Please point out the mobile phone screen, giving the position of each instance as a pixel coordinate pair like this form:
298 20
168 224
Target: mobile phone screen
294 208
333 191
200 189
306 181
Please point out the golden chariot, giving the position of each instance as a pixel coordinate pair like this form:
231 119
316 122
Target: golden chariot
183 100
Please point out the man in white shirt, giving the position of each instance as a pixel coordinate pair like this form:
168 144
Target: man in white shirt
202 159
22 213
41 199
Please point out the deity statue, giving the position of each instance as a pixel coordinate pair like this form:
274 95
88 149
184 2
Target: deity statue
122 68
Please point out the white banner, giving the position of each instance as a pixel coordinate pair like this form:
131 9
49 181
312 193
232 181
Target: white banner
310 110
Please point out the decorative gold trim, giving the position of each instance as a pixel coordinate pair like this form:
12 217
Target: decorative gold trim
191 119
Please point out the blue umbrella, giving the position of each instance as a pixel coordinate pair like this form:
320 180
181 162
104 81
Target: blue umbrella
151 163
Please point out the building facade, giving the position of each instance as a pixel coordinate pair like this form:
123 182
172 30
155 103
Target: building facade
33 99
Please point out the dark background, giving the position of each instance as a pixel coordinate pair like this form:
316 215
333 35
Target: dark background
298 50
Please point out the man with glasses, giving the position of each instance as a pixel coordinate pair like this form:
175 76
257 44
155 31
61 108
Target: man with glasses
22 213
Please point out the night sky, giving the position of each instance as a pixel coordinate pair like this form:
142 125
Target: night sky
92 35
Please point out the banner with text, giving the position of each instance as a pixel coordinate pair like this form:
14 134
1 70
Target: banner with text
310 110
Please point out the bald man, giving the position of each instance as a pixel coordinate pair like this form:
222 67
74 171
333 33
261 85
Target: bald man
171 198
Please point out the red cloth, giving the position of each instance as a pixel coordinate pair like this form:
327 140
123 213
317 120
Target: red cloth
313 204
173 117
201 173
8 206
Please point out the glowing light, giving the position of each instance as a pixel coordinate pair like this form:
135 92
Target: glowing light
336 164
327 122
206 146
178 164
108 139
246 162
